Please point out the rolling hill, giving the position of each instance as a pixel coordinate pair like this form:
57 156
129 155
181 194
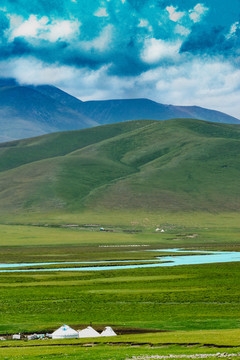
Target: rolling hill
179 164
27 111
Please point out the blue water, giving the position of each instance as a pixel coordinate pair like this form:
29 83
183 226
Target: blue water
199 257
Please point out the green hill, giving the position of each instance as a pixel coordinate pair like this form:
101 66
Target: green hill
173 165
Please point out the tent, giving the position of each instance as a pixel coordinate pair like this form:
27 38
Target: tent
108 331
65 332
88 332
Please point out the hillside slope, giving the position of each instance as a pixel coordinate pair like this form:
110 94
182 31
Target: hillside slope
179 164
27 111
110 111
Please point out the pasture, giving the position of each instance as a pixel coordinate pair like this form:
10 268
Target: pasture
188 304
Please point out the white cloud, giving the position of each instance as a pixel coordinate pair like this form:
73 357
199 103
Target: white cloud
143 23
65 29
101 42
32 71
174 15
198 12
157 50
233 29
213 84
43 28
182 30
101 12
28 28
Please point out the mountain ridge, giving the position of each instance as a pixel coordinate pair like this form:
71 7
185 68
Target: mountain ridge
28 111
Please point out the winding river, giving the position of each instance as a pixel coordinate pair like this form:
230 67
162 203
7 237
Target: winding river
179 258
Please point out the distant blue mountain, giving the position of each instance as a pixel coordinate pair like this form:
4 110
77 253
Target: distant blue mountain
27 111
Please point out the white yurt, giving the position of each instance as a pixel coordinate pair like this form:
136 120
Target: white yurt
88 332
65 332
108 331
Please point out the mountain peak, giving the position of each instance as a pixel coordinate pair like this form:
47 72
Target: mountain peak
31 110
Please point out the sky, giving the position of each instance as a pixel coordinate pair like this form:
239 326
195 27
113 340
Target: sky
182 52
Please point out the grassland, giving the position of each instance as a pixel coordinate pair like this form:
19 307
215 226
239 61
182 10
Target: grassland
176 165
126 346
181 298
193 304
181 176
184 297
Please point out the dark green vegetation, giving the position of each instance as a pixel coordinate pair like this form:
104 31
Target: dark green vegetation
173 165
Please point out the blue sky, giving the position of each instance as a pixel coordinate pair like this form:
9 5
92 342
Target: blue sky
182 52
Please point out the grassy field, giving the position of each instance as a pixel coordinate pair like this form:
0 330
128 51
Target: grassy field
179 298
193 304
122 347
175 165
130 178
32 241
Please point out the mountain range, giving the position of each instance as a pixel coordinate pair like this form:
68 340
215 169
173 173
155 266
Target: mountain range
176 165
28 111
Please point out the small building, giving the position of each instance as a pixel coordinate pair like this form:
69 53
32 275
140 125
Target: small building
16 337
160 230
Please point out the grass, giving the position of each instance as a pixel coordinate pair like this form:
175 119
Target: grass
193 304
132 165
180 298
129 178
102 352
121 349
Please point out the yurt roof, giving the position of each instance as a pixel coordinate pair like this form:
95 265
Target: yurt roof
88 332
65 331
108 331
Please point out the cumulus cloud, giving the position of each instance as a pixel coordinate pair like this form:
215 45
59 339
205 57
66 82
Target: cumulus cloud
143 23
32 71
233 30
101 42
126 48
174 15
182 30
157 50
43 28
101 12
198 12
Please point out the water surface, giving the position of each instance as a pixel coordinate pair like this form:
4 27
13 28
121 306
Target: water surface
198 257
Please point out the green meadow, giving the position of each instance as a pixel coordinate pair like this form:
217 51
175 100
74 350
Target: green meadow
58 190
125 347
188 304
